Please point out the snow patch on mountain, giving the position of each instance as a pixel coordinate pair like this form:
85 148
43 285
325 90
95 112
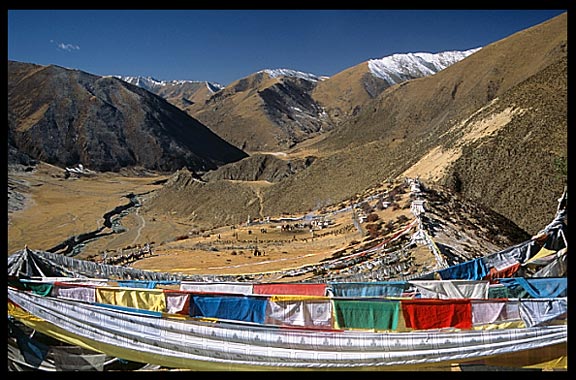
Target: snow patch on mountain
214 87
152 84
274 73
397 68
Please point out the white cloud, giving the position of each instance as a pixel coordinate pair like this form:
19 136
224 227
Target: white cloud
67 47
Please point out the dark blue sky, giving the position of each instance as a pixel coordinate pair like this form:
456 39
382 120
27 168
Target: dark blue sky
224 45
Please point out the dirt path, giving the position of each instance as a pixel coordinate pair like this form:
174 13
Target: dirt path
140 227
258 192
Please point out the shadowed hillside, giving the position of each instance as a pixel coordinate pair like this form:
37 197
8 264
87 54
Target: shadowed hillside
68 117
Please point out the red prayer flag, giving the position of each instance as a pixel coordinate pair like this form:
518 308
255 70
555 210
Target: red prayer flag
421 314
300 289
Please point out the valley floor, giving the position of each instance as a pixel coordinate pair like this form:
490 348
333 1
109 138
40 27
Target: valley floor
59 208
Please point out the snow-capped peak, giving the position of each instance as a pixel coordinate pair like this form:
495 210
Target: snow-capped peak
144 82
274 73
151 84
397 68
214 87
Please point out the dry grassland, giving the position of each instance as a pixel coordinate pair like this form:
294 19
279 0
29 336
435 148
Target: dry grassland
59 208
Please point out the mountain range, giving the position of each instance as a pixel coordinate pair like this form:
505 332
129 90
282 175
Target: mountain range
492 127
274 109
489 123
181 93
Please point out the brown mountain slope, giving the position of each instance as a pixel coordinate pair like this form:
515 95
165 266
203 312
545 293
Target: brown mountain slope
66 117
263 112
412 110
534 140
207 204
344 93
260 167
